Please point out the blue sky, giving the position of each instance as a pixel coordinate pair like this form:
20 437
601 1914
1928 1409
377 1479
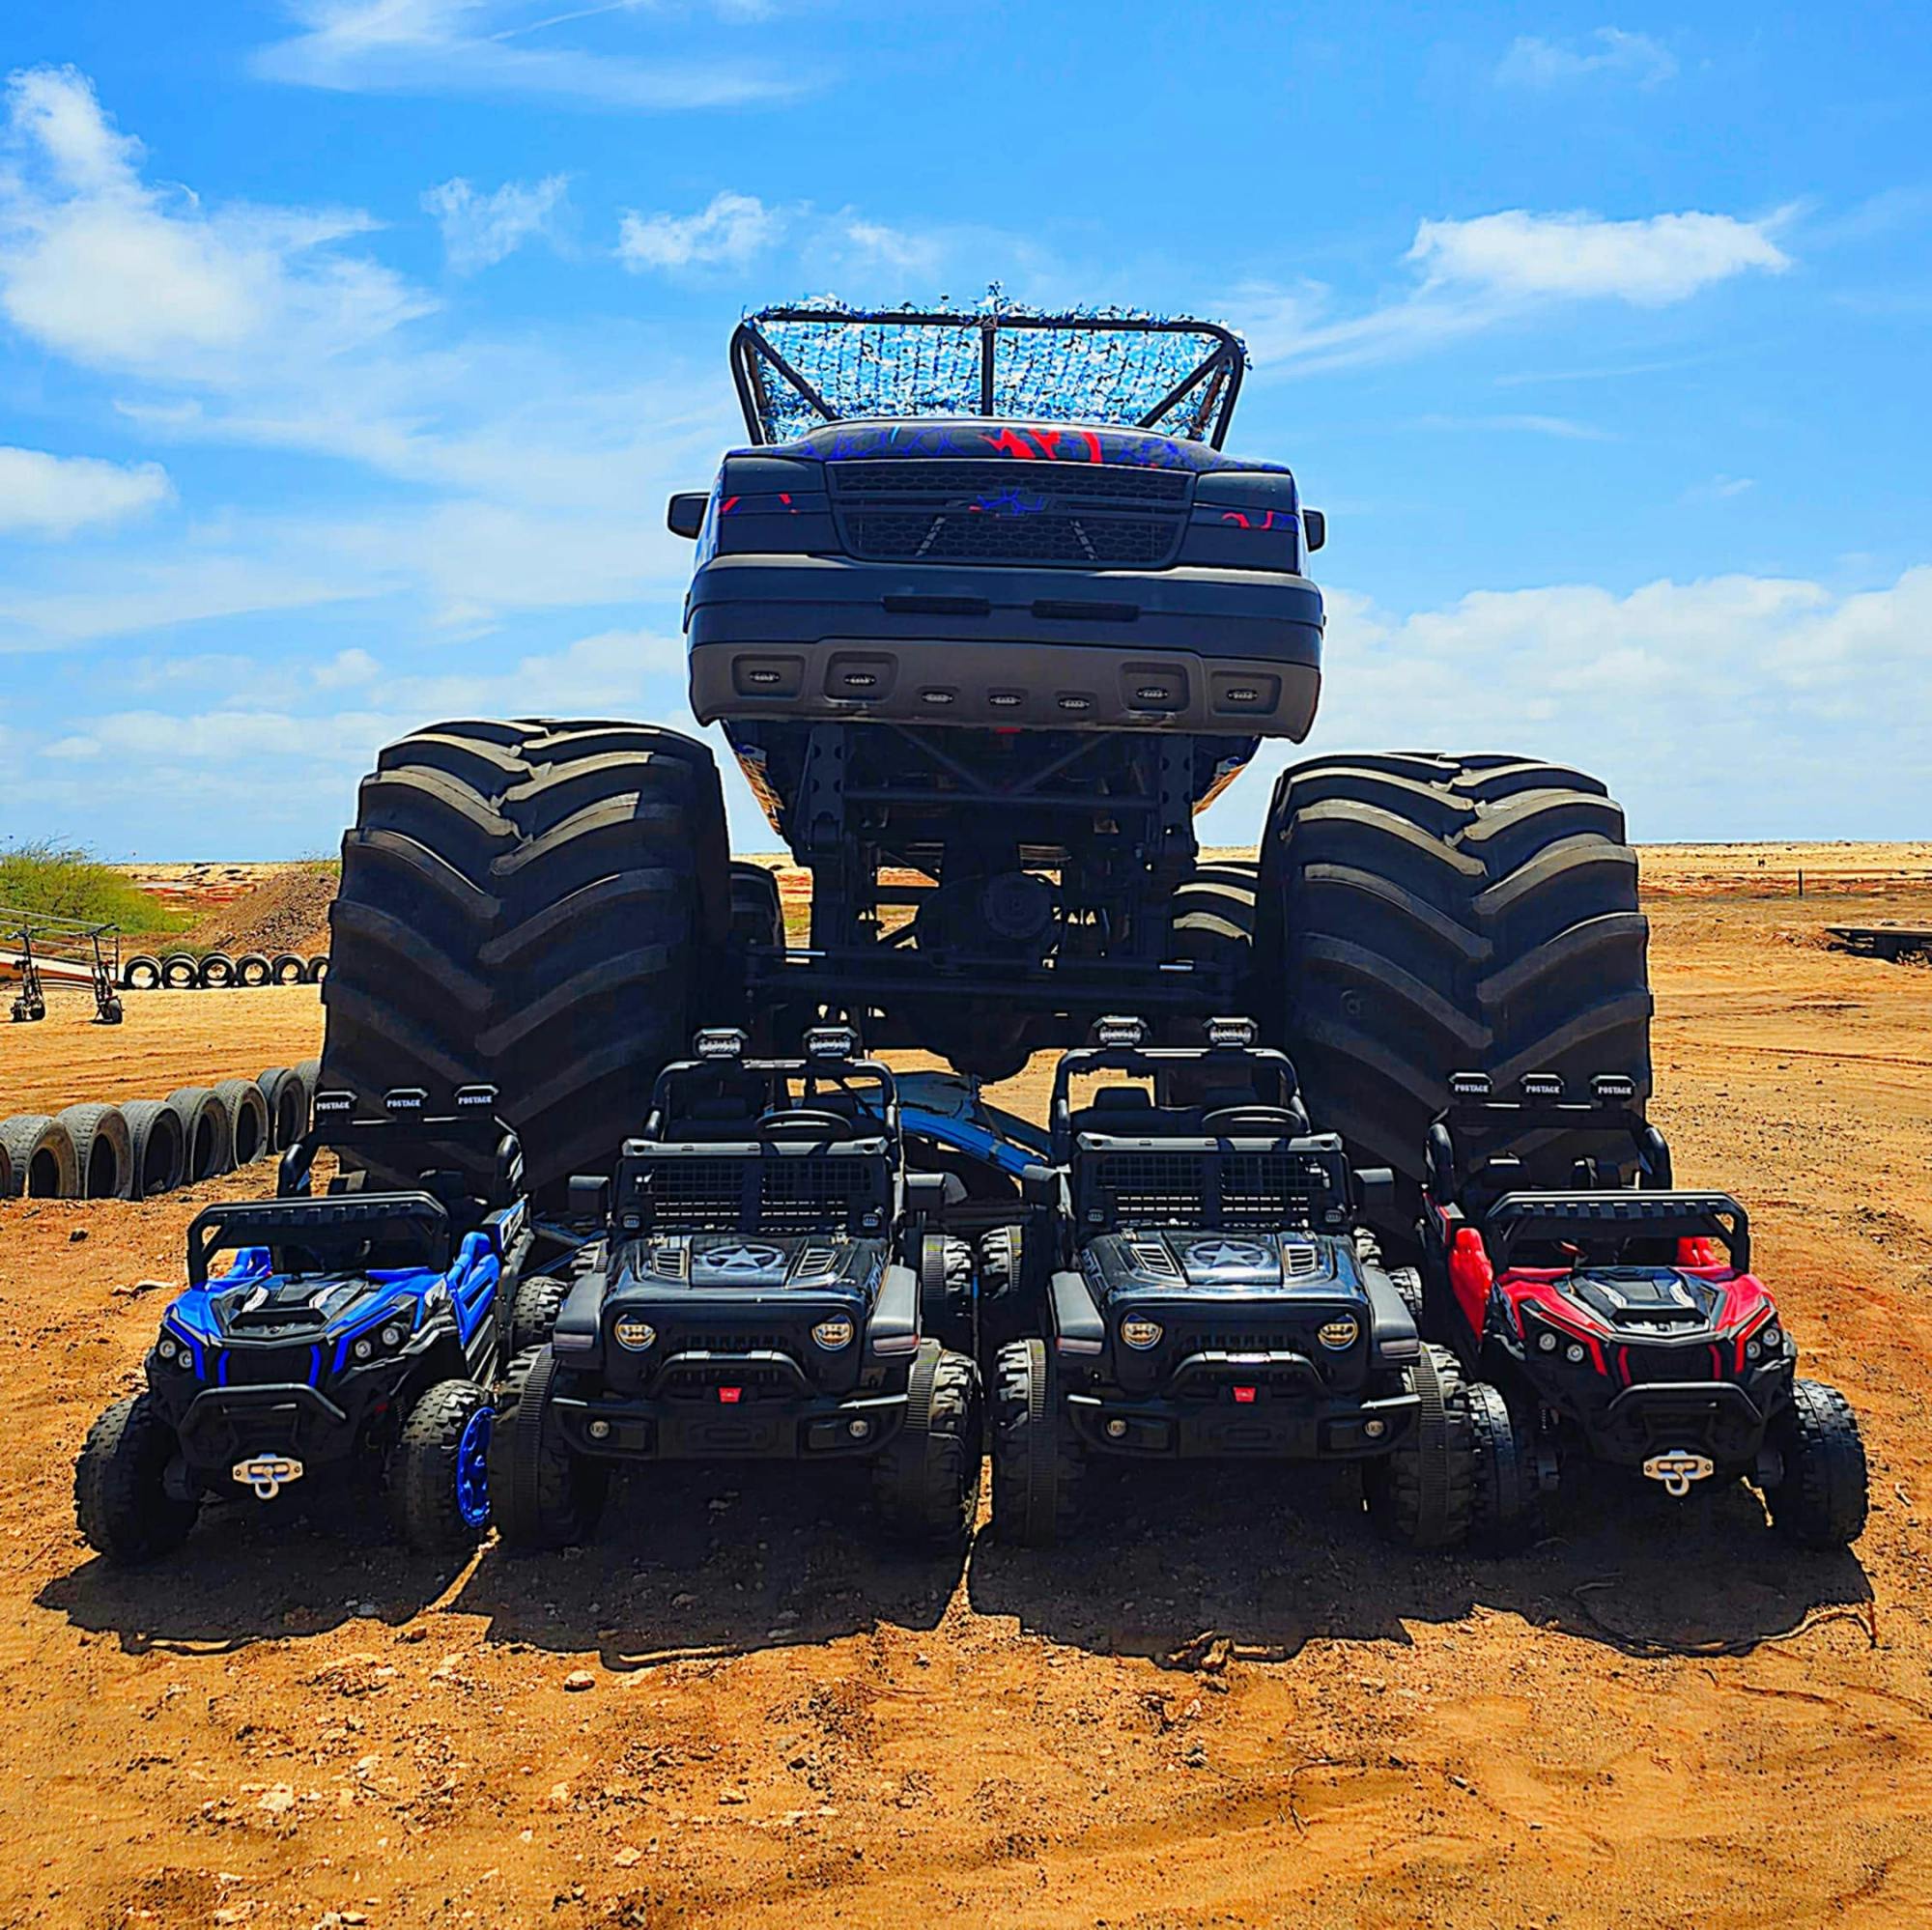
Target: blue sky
349 349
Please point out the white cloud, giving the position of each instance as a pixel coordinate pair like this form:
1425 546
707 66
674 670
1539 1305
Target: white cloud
728 232
1476 274
1661 259
1730 707
875 244
1560 426
480 230
54 496
480 47
1534 62
223 295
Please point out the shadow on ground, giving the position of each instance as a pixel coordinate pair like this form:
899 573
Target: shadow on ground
1178 1563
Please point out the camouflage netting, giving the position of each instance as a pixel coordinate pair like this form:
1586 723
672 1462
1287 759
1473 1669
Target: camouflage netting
871 363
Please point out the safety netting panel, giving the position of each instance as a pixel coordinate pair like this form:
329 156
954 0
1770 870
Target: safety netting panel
1104 365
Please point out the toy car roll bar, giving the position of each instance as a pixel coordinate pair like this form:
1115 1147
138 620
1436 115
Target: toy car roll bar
405 1119
411 1226
1626 1215
1476 1115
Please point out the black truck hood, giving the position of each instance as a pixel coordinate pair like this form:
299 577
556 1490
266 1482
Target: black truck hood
708 1265
1226 1266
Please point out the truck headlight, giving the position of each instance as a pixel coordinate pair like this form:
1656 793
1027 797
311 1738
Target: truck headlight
1339 1334
833 1333
1138 1332
391 1337
628 1330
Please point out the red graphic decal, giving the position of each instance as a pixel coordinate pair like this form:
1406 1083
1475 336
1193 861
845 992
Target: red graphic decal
726 507
1010 443
1048 440
1234 515
1092 443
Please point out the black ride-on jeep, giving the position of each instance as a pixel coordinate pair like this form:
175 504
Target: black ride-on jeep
346 1352
1623 1323
1216 1294
758 1295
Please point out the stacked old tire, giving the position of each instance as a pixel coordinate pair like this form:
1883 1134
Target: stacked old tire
142 1147
1420 915
537 906
185 972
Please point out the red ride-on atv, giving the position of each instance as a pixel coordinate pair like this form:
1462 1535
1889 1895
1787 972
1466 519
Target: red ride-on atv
1622 1324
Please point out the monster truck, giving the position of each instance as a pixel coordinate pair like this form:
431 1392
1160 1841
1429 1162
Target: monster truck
1622 1324
987 615
757 1293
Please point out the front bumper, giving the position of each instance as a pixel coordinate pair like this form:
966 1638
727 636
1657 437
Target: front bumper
620 1427
1274 1426
1715 1418
222 1426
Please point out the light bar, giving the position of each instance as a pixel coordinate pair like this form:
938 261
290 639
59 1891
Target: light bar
830 1041
405 1101
1470 1085
722 1041
1119 1029
475 1098
1613 1088
1540 1088
1230 1030
334 1105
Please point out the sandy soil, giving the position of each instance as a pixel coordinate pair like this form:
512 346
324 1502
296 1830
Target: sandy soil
1227 1705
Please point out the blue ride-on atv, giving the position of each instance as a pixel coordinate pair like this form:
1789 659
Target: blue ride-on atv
346 1355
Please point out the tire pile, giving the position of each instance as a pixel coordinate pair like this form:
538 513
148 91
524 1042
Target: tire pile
183 972
145 1146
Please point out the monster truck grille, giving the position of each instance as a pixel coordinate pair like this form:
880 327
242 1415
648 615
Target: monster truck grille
1003 513
1261 1191
263 1365
787 1195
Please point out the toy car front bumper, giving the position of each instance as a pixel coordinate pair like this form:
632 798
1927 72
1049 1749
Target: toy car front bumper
225 1424
1271 1427
826 1428
1714 1418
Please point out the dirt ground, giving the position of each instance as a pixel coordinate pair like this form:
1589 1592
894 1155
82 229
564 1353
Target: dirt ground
1227 1705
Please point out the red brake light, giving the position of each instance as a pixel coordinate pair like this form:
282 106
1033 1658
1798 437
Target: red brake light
1244 1396
731 1395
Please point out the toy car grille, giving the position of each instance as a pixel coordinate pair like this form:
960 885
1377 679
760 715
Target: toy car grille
970 536
1264 1192
263 1365
1655 1365
756 1382
942 483
789 1194
1212 1340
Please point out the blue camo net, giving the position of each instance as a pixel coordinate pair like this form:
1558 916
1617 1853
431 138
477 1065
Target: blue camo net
866 364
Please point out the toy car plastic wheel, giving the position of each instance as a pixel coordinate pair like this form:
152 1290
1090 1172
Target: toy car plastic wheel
1506 1510
1004 1314
533 1312
1423 1493
1037 1461
946 1311
926 1484
120 1499
1822 1500
439 1478
543 1497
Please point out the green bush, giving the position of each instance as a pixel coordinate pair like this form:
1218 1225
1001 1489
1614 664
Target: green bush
68 882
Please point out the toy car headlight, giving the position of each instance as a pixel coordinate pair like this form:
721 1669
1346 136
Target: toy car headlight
174 1352
1772 1340
1545 1341
1341 1333
835 1332
364 1349
628 1330
1574 1354
1138 1332
391 1336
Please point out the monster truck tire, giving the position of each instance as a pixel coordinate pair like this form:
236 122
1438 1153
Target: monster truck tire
207 1133
533 1312
288 1106
103 1152
437 1477
180 973
120 1499
157 1149
1423 1494
1821 1502
1420 915
141 973
926 1484
286 968
531 906
542 1496
1506 1508
216 971
1037 1461
248 1125
946 1309
254 969
40 1153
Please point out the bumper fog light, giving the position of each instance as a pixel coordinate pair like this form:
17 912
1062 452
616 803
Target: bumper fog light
599 1430
1117 1429
1375 1430
859 1430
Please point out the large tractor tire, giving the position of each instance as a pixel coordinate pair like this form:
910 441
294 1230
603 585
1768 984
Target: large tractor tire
530 905
1421 915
